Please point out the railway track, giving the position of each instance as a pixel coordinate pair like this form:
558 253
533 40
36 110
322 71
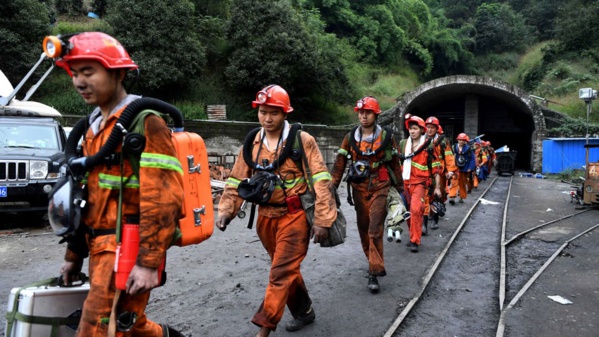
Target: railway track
479 264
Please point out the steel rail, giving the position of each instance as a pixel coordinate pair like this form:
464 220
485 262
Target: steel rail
503 257
434 268
519 235
501 323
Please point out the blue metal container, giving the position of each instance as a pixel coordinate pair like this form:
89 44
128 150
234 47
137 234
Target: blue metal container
560 154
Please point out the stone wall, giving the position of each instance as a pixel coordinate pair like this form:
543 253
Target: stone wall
225 137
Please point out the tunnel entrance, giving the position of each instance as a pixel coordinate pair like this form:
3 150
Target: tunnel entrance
505 114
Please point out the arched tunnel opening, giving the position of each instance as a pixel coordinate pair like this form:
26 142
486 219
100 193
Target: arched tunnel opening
474 109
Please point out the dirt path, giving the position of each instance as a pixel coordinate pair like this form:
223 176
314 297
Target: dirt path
214 288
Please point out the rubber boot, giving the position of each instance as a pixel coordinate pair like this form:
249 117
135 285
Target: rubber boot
425 225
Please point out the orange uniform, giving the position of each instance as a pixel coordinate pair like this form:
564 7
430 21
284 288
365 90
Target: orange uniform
153 199
284 235
462 181
480 155
420 179
370 196
443 152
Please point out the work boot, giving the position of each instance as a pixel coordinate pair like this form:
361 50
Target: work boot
414 248
373 284
452 201
301 321
461 201
435 223
168 331
469 191
410 244
425 225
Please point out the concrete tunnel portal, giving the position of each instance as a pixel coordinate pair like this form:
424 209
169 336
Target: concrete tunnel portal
475 105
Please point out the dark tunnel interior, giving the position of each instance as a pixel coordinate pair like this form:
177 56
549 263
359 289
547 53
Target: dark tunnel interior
501 120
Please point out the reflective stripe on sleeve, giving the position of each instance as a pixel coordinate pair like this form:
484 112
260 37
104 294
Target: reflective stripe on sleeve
321 176
161 161
232 182
342 152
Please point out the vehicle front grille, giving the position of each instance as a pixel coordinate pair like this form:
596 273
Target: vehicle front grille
14 170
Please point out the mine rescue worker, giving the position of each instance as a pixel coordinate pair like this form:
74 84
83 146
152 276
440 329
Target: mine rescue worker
480 155
492 156
281 224
464 159
420 167
442 150
374 167
97 64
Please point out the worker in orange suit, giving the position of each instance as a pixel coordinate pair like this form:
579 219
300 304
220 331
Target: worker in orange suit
464 159
420 167
98 64
442 150
480 155
373 170
268 176
492 156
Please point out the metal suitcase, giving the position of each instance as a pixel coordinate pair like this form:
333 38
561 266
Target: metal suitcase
41 309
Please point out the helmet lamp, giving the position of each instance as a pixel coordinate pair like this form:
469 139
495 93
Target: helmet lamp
52 46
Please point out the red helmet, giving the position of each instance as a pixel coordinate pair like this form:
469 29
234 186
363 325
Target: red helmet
439 130
463 136
368 103
95 46
415 119
434 121
273 95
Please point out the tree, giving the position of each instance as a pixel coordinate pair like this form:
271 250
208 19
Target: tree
23 25
575 27
500 29
273 42
70 7
161 36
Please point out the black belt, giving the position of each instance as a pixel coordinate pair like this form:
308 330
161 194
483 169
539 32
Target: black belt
95 232
101 231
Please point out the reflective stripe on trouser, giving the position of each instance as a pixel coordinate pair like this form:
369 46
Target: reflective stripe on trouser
370 215
99 302
286 240
460 183
415 195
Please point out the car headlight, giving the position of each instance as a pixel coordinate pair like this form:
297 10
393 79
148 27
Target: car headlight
38 169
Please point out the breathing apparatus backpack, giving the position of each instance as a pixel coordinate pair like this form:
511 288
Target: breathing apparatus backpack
197 214
359 170
259 188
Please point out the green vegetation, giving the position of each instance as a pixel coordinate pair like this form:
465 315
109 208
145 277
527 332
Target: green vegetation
327 54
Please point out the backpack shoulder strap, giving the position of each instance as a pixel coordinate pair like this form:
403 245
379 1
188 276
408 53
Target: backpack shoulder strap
402 146
138 126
